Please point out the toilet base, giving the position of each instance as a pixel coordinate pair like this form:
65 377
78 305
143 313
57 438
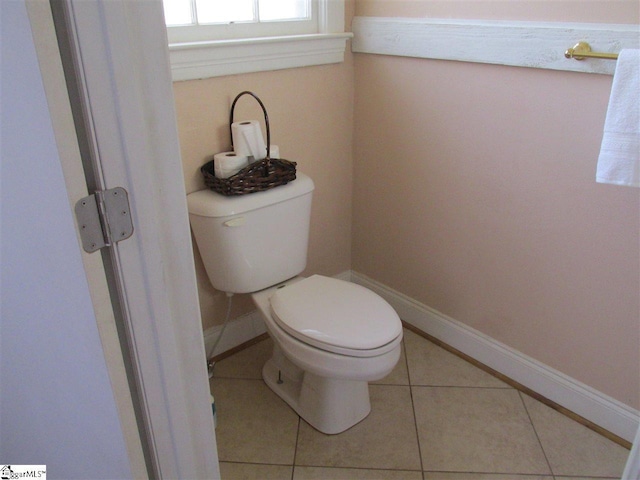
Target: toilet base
330 405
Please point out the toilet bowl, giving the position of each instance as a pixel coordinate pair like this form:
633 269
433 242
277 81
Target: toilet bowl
331 338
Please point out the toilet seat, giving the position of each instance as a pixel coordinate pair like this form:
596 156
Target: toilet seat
336 316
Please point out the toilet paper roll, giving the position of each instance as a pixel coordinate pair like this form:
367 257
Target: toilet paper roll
226 164
248 140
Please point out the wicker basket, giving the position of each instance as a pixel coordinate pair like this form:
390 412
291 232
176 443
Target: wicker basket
260 175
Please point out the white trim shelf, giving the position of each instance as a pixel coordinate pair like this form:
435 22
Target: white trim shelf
522 44
197 60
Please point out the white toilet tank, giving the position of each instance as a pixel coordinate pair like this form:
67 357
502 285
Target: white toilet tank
251 242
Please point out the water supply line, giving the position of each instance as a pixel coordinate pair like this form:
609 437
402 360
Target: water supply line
210 356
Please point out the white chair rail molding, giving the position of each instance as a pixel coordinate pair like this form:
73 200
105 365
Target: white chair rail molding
521 44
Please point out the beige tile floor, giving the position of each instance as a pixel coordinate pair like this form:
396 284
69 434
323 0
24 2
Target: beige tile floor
435 417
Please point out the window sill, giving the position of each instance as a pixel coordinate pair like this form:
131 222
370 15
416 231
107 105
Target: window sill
198 60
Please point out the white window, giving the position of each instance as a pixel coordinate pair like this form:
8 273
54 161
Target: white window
210 38
201 20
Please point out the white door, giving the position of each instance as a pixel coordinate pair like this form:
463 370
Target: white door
57 406
129 139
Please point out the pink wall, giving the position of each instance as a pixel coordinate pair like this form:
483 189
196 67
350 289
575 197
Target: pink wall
589 11
474 194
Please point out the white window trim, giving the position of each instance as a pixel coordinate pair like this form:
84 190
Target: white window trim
197 60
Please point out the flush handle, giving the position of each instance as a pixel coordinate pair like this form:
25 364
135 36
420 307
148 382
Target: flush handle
235 222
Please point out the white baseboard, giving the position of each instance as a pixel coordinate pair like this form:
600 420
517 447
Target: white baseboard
346 275
567 392
238 331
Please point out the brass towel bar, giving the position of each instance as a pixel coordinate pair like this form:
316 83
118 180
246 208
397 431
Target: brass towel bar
582 50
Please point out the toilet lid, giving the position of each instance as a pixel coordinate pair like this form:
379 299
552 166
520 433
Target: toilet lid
334 314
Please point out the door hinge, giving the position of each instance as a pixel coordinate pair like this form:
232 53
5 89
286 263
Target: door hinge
104 218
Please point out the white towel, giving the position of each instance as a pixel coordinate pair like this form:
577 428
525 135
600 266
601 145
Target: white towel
619 160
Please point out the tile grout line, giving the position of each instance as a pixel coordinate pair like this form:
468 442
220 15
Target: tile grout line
376 469
535 430
413 405
295 450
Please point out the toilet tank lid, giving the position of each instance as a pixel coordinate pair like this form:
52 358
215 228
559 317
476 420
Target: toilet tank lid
207 203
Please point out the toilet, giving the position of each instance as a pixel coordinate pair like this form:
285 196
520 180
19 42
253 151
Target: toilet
331 337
